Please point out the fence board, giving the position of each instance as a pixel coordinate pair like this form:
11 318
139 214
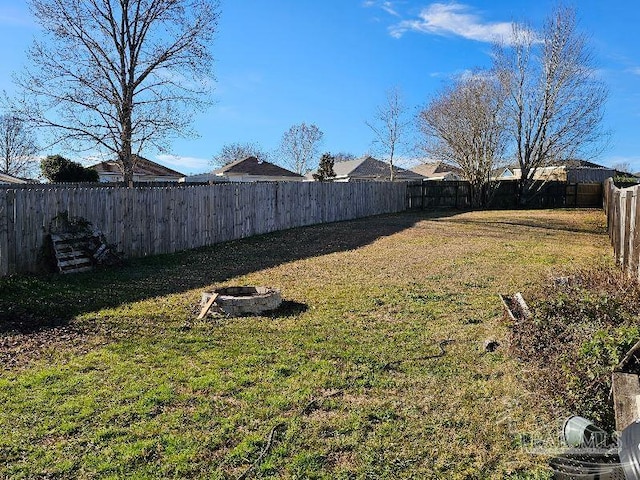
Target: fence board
150 220
11 227
623 225
632 263
4 232
626 229
503 194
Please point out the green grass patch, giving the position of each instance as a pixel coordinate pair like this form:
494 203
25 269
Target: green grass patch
109 375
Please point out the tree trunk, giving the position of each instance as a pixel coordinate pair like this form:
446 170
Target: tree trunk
476 194
391 172
125 157
126 164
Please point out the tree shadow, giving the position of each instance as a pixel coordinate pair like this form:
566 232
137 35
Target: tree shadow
537 223
30 303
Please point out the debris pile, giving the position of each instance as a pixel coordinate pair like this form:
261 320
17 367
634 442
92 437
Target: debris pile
78 247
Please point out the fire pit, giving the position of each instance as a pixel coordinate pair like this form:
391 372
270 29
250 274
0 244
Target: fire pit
237 301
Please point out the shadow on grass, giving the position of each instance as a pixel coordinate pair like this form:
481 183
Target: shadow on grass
29 303
288 308
537 223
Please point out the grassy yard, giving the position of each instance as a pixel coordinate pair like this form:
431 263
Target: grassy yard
350 379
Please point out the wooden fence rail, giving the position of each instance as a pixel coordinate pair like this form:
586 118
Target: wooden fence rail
623 225
152 220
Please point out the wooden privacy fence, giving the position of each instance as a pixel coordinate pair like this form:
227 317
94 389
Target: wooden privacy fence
623 225
151 220
430 194
438 193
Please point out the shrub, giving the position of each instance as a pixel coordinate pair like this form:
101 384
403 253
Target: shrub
56 168
582 326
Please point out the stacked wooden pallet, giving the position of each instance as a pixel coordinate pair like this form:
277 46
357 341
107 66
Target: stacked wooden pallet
71 254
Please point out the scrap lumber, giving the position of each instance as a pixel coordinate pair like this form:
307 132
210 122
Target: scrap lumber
207 306
626 399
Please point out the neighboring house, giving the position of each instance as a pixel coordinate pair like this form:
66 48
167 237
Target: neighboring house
144 171
438 171
370 169
570 171
504 173
248 170
556 173
6 179
203 178
590 173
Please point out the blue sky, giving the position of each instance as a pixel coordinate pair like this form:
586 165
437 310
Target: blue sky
330 62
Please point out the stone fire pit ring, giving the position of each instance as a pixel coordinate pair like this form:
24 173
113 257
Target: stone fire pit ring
247 300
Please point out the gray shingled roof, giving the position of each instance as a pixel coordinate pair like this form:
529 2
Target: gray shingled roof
433 168
143 166
252 166
371 169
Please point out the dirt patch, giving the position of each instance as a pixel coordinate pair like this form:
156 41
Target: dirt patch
21 346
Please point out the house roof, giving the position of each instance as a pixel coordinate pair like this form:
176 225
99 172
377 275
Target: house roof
253 166
569 163
431 169
369 167
574 162
5 178
502 172
577 164
142 166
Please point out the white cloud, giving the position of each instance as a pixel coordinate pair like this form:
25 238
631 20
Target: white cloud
454 19
458 74
387 6
635 70
185 164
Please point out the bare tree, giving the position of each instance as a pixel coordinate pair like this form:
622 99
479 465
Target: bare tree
464 125
18 147
343 157
118 75
232 152
299 146
390 126
622 167
555 102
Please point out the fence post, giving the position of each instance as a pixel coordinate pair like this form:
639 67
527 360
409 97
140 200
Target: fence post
635 264
628 229
632 263
10 230
4 233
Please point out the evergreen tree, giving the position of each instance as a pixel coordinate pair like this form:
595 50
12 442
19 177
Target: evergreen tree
56 168
325 169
